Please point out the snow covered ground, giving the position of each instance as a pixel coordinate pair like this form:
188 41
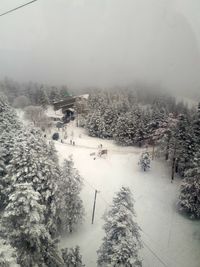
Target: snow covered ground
169 238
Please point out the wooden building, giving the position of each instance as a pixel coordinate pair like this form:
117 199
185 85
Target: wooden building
71 102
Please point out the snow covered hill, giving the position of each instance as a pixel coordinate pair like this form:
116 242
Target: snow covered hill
169 238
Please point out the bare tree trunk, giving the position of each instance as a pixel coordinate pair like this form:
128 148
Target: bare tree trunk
70 227
173 163
173 168
167 150
153 151
176 166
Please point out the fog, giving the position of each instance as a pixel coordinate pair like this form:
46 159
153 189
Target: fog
103 43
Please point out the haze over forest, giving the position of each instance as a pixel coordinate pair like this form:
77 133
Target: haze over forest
92 43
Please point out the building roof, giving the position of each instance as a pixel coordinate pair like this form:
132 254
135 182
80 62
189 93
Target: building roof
68 102
85 96
50 112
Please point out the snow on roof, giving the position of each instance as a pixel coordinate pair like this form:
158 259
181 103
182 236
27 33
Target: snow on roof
71 109
50 112
85 96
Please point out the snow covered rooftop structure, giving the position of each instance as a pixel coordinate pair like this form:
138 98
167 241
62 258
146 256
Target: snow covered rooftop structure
54 115
69 102
85 96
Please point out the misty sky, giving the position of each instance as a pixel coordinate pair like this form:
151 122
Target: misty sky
102 42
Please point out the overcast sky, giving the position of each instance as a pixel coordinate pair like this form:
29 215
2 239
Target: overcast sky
102 42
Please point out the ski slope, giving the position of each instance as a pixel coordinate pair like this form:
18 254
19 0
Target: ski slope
169 238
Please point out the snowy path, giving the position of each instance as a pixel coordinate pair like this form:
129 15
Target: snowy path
169 238
95 149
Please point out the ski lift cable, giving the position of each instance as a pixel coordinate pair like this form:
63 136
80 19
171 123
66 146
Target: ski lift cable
91 186
155 244
155 255
16 8
151 250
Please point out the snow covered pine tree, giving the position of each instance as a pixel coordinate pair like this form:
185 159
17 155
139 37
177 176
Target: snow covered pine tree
122 240
25 224
145 161
9 127
72 257
31 163
189 199
7 255
71 205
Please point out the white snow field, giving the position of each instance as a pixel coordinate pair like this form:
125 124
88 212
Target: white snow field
169 238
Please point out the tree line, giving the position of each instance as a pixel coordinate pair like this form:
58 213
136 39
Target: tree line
24 94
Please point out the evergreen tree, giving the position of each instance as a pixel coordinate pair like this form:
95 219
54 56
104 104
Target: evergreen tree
93 123
3 185
54 95
104 109
9 127
72 257
177 143
145 161
42 97
159 115
189 199
140 131
125 129
147 125
52 153
130 128
107 123
2 166
31 163
165 137
64 92
185 146
7 255
11 89
8 118
24 220
71 205
122 238
196 128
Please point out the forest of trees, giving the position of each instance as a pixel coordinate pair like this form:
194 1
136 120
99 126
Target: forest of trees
158 121
21 95
41 200
33 196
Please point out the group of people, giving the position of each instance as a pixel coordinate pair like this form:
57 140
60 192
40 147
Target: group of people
72 142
